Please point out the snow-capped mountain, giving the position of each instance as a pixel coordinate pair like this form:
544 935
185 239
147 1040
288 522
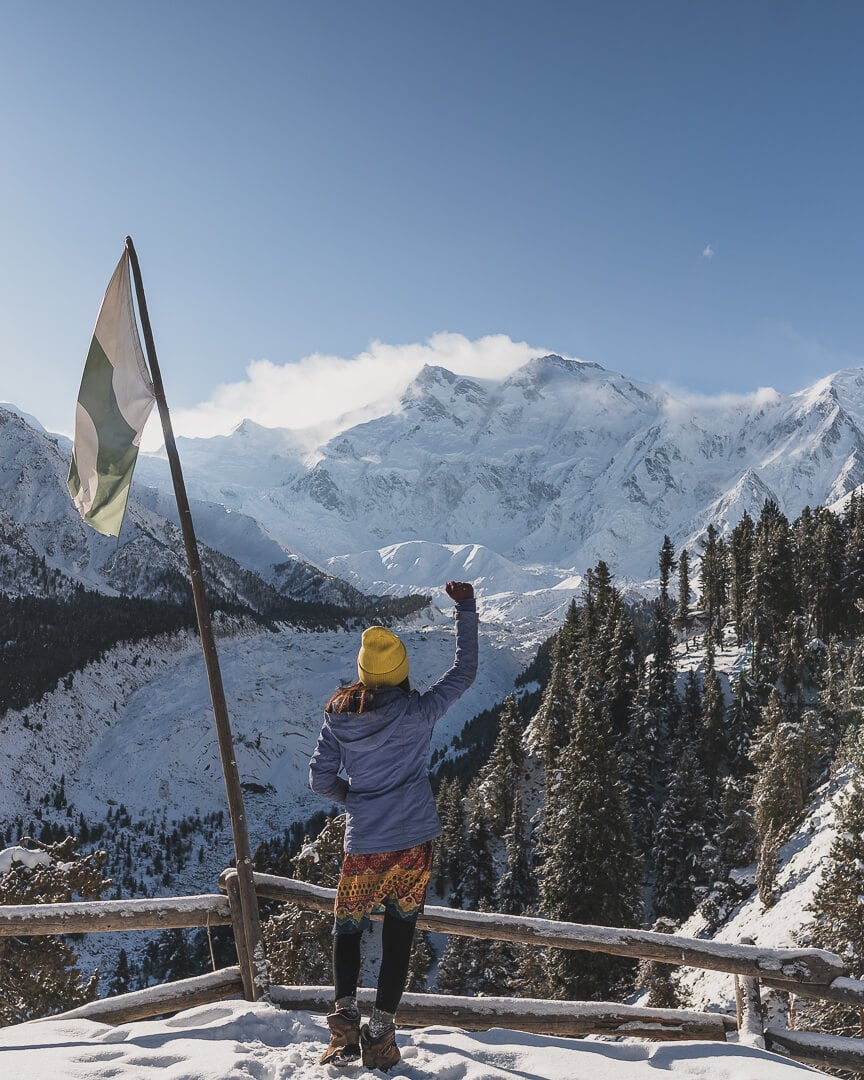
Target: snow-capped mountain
555 466
39 524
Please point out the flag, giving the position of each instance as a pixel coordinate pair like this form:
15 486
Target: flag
114 401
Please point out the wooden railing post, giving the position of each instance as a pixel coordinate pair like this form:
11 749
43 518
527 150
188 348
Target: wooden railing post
751 1028
238 925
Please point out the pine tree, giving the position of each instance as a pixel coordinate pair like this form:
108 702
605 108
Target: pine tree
479 876
793 668
505 968
820 543
841 700
740 568
784 753
570 636
713 735
713 583
169 957
682 619
516 889
733 845
667 565
735 838
299 943
608 660
662 672
549 730
599 595
420 963
589 871
40 975
772 597
482 977
662 981
853 577
121 981
690 724
743 718
614 676
644 762
452 977
448 867
654 716
499 779
680 856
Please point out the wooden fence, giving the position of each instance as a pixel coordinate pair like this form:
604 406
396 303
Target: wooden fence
763 1022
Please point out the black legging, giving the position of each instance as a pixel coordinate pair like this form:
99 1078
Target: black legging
396 938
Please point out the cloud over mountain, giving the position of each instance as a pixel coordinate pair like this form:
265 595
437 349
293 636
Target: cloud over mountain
320 388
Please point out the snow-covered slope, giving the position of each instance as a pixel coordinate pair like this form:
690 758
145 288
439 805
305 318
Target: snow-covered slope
801 862
150 703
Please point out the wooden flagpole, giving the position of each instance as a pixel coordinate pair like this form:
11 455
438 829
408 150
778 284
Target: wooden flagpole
252 948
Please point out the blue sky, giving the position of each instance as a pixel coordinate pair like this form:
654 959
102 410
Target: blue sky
670 189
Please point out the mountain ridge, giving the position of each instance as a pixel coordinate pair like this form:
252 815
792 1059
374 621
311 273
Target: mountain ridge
557 464
548 469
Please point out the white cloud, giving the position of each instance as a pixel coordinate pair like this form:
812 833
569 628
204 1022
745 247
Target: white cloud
321 388
682 402
708 251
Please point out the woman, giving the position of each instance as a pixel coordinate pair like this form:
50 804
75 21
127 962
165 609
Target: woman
372 755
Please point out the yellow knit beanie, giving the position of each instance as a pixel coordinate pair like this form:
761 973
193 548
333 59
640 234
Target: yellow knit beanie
382 660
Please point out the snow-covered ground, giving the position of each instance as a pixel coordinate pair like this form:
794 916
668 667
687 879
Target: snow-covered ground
233 1039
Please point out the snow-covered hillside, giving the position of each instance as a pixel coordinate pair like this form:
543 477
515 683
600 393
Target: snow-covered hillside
238 1039
149 703
801 861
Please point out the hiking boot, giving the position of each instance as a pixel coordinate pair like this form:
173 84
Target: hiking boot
381 1052
344 1046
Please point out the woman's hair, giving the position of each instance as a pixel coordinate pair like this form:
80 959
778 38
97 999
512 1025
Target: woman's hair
354 698
358 697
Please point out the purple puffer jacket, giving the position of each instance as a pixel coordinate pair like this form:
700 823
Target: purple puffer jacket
384 753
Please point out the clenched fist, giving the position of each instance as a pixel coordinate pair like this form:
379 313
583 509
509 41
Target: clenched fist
459 590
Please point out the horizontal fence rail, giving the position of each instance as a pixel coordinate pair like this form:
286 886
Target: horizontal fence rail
846 991
156 1000
814 1048
571 1018
803 966
99 916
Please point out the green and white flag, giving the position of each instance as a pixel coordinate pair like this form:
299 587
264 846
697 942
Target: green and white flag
114 401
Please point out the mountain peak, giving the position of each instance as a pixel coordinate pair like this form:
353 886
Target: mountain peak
541 370
31 421
249 429
437 391
433 375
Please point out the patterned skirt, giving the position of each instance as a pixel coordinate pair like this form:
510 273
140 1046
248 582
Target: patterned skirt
393 881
